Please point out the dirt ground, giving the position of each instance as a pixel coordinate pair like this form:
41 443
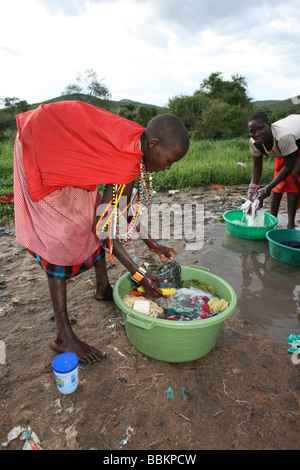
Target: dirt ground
243 395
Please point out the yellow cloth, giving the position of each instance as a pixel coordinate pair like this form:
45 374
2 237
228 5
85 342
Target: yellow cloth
164 290
217 305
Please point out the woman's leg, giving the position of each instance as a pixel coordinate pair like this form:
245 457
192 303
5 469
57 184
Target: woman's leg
275 203
292 202
103 287
66 340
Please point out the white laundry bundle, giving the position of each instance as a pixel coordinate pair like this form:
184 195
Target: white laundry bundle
254 213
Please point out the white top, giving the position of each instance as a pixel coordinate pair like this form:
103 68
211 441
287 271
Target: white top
285 133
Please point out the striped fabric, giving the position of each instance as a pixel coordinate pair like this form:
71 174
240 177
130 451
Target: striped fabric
55 271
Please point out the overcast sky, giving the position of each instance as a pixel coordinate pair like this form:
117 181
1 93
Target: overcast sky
148 50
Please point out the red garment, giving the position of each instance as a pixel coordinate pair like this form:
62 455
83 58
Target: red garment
61 227
287 185
71 143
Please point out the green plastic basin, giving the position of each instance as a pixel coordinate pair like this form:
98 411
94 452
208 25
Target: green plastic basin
233 217
277 250
175 341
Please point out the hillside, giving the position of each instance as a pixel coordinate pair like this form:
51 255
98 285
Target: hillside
274 106
139 112
277 109
109 105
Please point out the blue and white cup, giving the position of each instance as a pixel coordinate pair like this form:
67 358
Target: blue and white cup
65 368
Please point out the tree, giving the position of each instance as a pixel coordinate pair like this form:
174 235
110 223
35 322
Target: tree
127 111
87 82
141 113
14 104
144 113
189 108
232 92
73 89
11 107
9 103
222 121
98 90
219 109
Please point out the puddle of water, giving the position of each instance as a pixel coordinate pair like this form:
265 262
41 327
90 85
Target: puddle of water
268 291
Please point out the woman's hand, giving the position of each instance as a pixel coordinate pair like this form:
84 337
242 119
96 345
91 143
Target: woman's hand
164 252
263 193
149 283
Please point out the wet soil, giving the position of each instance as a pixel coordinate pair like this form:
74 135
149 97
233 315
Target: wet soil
243 395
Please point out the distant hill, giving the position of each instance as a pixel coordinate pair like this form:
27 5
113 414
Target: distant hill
109 105
139 112
278 109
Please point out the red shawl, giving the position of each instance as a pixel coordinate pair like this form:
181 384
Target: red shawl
70 143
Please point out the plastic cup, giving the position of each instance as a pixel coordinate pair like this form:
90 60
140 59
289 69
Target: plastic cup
65 368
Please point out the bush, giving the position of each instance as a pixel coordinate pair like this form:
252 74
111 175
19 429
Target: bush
222 121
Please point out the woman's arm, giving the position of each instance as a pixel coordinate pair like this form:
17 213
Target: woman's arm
148 281
162 251
289 163
257 167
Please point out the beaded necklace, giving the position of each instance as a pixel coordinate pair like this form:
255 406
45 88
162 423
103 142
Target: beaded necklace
144 187
126 238
109 218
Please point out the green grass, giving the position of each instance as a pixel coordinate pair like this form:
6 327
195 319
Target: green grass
213 161
206 161
6 176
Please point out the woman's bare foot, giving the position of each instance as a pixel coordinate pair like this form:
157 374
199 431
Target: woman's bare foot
84 352
66 340
104 293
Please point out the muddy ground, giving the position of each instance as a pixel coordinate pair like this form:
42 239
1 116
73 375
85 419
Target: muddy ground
245 394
